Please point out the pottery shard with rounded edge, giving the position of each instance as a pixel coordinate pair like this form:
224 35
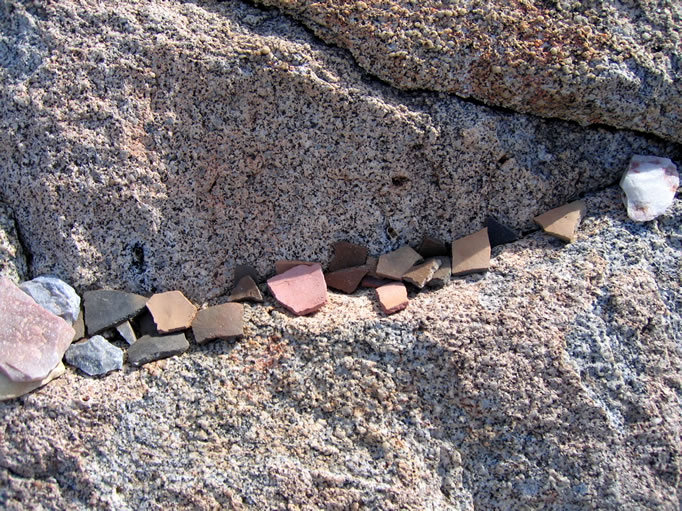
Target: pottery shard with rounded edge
32 339
649 187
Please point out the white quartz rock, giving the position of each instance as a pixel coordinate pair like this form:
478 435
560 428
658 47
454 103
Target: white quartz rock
649 187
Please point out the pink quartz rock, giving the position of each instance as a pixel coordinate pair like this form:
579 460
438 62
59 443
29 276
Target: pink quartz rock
32 339
302 289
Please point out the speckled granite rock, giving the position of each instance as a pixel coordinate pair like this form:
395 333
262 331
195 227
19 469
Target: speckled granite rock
553 383
148 146
12 260
609 62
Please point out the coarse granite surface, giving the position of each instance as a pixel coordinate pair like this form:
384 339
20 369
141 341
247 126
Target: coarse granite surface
551 382
609 62
152 146
12 260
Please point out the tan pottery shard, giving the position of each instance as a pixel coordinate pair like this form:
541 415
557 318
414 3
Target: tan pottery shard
225 321
394 264
301 289
471 254
420 274
171 311
562 222
392 297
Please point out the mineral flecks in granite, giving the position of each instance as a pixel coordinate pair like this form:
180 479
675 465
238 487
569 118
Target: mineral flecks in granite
395 264
392 297
347 255
32 339
246 290
172 312
11 389
422 273
94 356
301 290
471 254
149 348
224 321
649 187
55 295
562 222
106 308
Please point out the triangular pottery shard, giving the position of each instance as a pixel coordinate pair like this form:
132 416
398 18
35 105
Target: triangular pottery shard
562 222
471 254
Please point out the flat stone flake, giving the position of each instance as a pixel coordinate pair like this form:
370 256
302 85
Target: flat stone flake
394 264
171 311
242 270
346 279
11 389
301 290
55 295
286 265
562 222
392 297
246 290
347 255
32 339
471 254
649 186
126 331
498 233
432 247
420 274
95 356
442 275
224 321
106 308
149 348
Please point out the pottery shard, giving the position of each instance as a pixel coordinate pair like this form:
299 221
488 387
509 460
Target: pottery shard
347 255
420 274
498 233
171 311
32 339
95 356
432 247
246 290
442 275
149 348
649 187
223 321
374 282
11 389
394 264
286 265
242 270
302 289
55 295
347 279
471 254
106 308
562 222
392 297
126 331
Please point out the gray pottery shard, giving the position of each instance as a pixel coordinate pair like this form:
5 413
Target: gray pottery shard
95 356
149 348
106 308
55 295
32 339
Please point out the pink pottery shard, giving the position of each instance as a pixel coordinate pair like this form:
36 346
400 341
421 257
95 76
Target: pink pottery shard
302 289
32 339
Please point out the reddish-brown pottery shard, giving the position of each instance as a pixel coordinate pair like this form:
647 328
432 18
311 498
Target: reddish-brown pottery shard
301 289
32 339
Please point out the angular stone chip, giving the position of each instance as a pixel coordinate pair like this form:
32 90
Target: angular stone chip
562 222
246 290
392 297
422 273
395 264
223 321
471 254
106 308
347 255
498 233
346 279
149 348
171 311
